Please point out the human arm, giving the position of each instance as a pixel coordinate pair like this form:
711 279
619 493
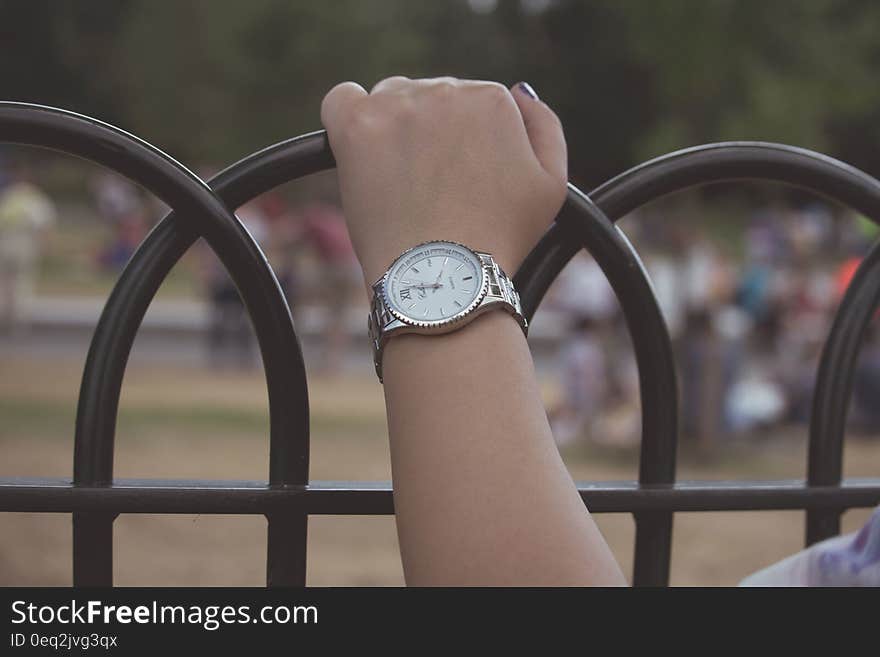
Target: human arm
482 496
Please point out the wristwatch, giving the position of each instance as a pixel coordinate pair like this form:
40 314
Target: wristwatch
434 288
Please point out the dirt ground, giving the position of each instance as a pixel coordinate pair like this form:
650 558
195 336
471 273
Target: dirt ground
189 423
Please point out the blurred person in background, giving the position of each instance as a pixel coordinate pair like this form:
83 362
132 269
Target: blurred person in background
620 423
754 293
26 215
757 398
583 375
322 226
123 209
663 271
808 300
115 197
810 227
281 236
230 337
708 343
583 294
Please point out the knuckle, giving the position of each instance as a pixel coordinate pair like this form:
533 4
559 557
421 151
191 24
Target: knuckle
389 82
393 109
443 88
497 97
333 98
495 91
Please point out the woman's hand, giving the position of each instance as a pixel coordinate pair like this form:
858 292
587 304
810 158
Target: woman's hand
445 159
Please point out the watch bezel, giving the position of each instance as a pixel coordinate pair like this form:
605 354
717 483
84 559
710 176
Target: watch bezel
437 324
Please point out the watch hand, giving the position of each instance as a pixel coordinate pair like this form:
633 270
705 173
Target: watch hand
440 275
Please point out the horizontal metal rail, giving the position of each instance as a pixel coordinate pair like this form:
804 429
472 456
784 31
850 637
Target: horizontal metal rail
59 495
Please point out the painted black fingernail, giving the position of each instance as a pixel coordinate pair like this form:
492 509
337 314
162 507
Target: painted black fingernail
526 88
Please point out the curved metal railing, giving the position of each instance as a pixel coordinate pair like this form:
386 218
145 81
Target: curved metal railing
288 498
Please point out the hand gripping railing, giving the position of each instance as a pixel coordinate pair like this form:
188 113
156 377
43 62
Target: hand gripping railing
95 498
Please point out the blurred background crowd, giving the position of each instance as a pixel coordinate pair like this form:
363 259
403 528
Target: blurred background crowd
748 275
748 321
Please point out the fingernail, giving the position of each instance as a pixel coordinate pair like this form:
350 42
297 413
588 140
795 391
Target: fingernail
526 88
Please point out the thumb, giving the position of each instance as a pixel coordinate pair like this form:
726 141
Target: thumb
544 130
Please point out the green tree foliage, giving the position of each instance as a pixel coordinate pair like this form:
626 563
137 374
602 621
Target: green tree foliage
210 80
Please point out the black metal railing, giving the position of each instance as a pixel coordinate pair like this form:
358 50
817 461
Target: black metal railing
95 498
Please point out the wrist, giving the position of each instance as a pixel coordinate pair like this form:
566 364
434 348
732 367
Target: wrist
478 346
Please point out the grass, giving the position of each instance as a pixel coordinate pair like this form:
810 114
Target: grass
187 423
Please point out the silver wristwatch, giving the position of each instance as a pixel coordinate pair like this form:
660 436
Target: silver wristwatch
434 288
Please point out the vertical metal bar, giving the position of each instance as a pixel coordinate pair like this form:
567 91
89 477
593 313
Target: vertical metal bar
286 549
93 549
653 550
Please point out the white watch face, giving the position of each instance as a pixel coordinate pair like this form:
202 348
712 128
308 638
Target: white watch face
435 283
